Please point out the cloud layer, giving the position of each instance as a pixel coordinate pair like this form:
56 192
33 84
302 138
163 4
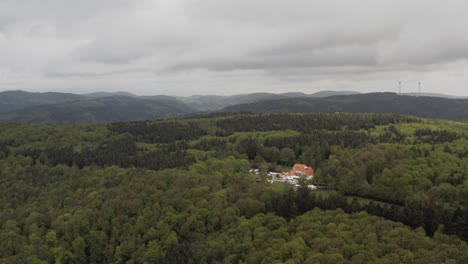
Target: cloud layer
184 47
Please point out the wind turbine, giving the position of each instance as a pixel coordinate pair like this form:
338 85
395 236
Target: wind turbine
419 86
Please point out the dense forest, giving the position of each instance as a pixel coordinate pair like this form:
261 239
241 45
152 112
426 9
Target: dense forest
393 189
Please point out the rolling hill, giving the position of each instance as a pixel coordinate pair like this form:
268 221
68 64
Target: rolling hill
14 100
429 107
216 102
25 107
106 109
323 94
107 94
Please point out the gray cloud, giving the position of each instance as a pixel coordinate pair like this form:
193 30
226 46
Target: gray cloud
207 46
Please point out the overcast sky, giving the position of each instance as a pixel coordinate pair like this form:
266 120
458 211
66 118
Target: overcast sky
179 47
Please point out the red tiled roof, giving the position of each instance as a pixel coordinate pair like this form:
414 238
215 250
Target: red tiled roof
299 169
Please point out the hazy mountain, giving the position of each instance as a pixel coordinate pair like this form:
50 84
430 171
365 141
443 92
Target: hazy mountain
107 94
205 102
431 107
161 97
106 109
25 107
293 94
215 102
14 100
322 94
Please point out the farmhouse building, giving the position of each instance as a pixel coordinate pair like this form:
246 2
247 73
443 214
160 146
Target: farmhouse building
293 176
301 170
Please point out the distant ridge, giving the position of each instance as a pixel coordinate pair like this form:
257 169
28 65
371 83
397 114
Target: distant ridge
322 94
105 109
14 100
424 106
216 102
436 95
26 107
107 94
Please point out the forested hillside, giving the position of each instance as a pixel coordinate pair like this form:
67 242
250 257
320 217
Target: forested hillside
60 108
424 106
106 109
50 107
14 100
395 190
